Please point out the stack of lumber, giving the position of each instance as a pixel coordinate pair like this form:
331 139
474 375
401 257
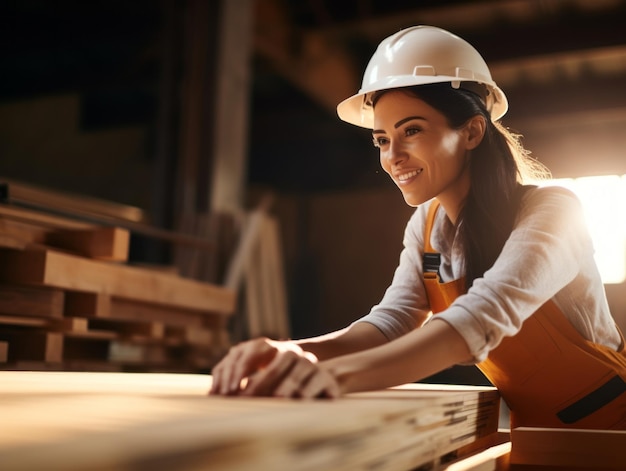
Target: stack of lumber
79 421
69 300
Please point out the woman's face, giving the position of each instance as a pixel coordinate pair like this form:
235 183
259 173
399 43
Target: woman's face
420 152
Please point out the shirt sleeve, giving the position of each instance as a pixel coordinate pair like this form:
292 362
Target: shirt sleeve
404 305
541 256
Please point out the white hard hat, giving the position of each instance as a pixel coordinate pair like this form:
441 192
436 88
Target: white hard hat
417 56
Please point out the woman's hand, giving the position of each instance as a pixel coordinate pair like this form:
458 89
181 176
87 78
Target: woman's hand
241 361
293 374
264 367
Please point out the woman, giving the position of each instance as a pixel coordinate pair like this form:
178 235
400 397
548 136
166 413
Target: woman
507 269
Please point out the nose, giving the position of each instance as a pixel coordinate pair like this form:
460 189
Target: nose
396 152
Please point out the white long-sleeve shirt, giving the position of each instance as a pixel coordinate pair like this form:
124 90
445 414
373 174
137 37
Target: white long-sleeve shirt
549 255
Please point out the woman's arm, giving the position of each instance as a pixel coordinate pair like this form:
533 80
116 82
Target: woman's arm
420 353
269 360
357 337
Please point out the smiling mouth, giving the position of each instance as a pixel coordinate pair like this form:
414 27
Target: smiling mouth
407 176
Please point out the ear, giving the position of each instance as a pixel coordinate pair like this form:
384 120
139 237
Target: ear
475 131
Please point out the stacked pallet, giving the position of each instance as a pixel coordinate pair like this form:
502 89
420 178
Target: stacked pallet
69 300
79 421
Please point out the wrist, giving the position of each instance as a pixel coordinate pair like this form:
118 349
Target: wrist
339 371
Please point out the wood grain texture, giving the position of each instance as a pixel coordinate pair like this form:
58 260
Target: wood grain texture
31 301
79 421
59 270
102 243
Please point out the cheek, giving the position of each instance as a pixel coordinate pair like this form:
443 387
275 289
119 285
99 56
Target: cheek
450 144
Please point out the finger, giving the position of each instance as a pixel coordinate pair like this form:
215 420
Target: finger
321 384
223 371
216 378
254 356
292 384
265 381
241 360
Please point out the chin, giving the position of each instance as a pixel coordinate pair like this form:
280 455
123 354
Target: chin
412 201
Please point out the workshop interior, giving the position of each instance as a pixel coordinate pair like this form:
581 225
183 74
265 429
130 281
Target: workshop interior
174 179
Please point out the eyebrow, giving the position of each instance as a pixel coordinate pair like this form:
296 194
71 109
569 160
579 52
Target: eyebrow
399 123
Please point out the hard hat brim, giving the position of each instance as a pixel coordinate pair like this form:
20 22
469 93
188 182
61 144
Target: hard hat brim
357 109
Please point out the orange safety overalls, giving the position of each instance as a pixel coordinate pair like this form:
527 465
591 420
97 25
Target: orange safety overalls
548 374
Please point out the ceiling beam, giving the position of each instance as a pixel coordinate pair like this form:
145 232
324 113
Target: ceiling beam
310 60
319 62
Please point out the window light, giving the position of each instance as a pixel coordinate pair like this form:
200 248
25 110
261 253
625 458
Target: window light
604 203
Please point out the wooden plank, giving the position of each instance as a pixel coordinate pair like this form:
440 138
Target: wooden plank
130 329
105 243
176 422
66 366
569 448
30 345
80 204
47 383
266 311
12 242
102 243
490 453
247 243
24 321
494 458
128 309
4 352
191 335
79 304
58 222
37 218
60 270
23 232
273 260
31 301
102 306
255 305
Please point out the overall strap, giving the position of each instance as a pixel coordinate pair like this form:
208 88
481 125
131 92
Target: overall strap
440 294
430 222
431 258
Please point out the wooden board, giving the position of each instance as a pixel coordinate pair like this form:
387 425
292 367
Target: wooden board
102 243
39 219
96 331
104 306
569 448
33 345
31 301
49 199
64 271
125 421
17 230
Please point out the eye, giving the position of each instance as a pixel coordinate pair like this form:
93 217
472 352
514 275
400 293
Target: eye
379 141
410 131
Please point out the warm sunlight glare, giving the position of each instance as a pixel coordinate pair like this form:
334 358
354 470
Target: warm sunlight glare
604 203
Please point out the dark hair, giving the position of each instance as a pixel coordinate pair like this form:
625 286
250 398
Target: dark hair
498 167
